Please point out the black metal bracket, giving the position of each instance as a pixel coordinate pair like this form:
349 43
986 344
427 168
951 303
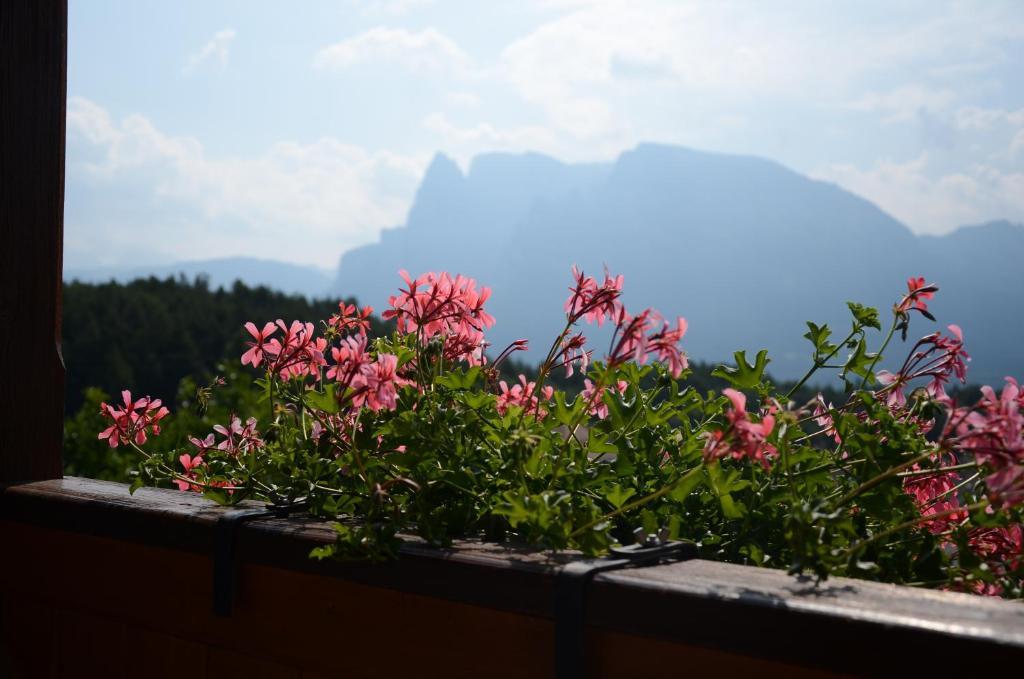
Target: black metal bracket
571 594
224 562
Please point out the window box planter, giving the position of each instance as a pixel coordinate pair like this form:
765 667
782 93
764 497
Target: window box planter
82 559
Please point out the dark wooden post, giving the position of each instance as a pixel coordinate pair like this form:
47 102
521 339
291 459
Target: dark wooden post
33 94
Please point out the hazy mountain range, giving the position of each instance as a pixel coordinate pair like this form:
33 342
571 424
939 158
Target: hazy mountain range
744 248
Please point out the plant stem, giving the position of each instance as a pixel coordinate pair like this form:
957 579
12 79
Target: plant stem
939 470
871 483
630 506
911 524
818 363
878 356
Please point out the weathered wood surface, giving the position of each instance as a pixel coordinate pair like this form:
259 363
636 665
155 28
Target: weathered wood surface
842 625
33 82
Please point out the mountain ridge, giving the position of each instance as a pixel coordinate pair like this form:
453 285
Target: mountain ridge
744 247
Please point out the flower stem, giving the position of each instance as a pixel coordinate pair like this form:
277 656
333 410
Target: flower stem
818 363
630 506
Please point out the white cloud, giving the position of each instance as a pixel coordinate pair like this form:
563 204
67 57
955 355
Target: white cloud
295 202
979 118
391 7
1017 145
469 139
215 50
583 67
418 51
462 99
904 103
930 202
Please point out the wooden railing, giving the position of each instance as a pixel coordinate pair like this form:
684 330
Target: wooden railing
97 582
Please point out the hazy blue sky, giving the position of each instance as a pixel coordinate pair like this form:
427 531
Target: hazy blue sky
294 131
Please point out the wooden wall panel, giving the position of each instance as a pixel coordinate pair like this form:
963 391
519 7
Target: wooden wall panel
33 83
125 609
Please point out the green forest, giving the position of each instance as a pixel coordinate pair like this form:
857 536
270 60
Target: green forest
171 339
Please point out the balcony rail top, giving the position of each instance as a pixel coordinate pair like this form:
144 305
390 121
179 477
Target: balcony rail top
744 609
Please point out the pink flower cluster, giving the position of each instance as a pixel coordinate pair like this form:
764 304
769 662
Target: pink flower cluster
993 430
934 495
351 319
935 357
297 354
236 439
593 302
435 305
134 421
523 395
1002 549
594 397
189 480
374 383
823 416
742 437
377 383
635 336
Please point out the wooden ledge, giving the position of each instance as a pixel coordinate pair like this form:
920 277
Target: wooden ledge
842 625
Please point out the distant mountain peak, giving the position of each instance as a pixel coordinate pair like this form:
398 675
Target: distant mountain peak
442 171
744 247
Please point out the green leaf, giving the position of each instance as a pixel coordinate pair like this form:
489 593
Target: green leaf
597 442
686 486
459 379
731 508
563 414
860 360
618 495
137 483
325 401
866 316
818 336
744 375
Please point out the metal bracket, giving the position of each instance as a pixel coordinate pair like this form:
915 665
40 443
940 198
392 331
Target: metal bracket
571 591
224 566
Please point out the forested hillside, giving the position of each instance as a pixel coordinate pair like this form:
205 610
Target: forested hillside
150 333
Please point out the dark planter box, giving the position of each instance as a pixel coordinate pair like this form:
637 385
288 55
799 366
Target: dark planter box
97 582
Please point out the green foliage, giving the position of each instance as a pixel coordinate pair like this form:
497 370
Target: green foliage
448 454
744 375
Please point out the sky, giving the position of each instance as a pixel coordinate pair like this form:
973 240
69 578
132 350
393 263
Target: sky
296 131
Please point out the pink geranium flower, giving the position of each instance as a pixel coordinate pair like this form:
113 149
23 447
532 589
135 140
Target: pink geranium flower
381 382
435 305
741 437
917 292
524 396
934 496
594 397
133 422
893 385
254 355
238 439
351 319
665 344
593 302
190 464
